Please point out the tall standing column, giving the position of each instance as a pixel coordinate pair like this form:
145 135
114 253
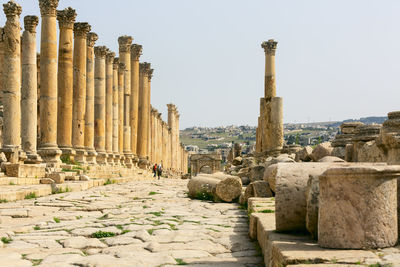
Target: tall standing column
136 52
269 83
178 143
12 83
100 103
172 126
109 105
1 66
144 116
29 90
164 144
150 140
115 111
48 148
81 29
125 43
89 114
152 135
66 19
159 147
121 71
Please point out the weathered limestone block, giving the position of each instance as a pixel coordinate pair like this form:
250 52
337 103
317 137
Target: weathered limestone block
304 154
358 207
290 182
389 137
312 205
256 173
58 178
321 150
330 159
370 152
27 170
363 134
258 189
237 161
339 152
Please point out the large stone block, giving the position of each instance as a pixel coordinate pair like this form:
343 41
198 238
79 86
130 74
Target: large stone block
24 171
358 207
321 150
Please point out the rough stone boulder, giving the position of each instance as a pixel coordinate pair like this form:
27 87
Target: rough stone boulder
339 152
321 150
290 183
331 159
304 154
237 161
249 161
244 174
256 173
370 152
257 189
219 186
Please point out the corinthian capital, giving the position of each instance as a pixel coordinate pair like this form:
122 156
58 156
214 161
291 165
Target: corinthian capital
110 56
100 51
81 29
270 46
92 37
12 9
144 68
116 63
121 68
136 51
150 74
31 23
66 18
48 7
125 43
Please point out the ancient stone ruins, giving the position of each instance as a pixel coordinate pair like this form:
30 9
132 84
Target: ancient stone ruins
80 139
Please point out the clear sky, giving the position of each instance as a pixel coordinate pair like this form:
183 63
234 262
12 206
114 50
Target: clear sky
335 59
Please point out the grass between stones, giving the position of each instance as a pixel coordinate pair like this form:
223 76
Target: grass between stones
57 220
153 193
180 262
36 227
3 201
157 213
109 182
6 240
102 234
267 211
30 195
203 195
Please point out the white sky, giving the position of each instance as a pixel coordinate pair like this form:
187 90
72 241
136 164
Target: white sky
336 59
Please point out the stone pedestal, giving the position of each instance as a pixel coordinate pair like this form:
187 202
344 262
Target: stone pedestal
48 148
358 207
89 115
66 19
12 83
100 103
79 96
29 90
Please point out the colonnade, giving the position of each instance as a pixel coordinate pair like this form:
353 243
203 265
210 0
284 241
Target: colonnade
94 107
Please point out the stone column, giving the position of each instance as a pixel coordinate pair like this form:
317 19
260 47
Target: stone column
12 83
151 134
159 147
172 126
125 43
100 103
48 148
81 29
29 90
143 118
136 52
269 83
178 143
115 112
109 105
164 128
121 71
1 65
66 19
89 114
149 141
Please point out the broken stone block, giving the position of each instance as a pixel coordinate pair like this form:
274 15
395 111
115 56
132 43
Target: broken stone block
321 150
58 178
25 170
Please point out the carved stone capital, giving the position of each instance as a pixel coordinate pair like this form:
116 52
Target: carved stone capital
171 107
66 18
100 51
150 74
81 29
270 46
12 9
30 23
121 68
116 63
110 57
48 7
144 68
92 37
125 43
136 51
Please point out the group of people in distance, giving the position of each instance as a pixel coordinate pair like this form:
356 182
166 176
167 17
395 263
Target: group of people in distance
157 170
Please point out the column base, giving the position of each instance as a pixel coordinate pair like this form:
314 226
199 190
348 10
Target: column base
91 156
128 160
67 154
50 155
110 158
117 161
143 163
32 158
101 158
135 160
122 159
81 155
11 153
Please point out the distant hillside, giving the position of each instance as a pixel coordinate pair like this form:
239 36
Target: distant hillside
366 120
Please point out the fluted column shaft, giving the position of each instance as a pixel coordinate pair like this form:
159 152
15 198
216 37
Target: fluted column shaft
29 89
1 66
48 148
121 71
172 125
66 19
89 114
12 83
100 102
144 115
109 104
115 109
270 83
136 51
178 144
79 95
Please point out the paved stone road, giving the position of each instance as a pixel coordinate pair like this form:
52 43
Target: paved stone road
146 223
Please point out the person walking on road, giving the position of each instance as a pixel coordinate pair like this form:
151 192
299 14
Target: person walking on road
155 170
159 171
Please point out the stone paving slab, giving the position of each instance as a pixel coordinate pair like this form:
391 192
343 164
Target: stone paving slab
139 223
